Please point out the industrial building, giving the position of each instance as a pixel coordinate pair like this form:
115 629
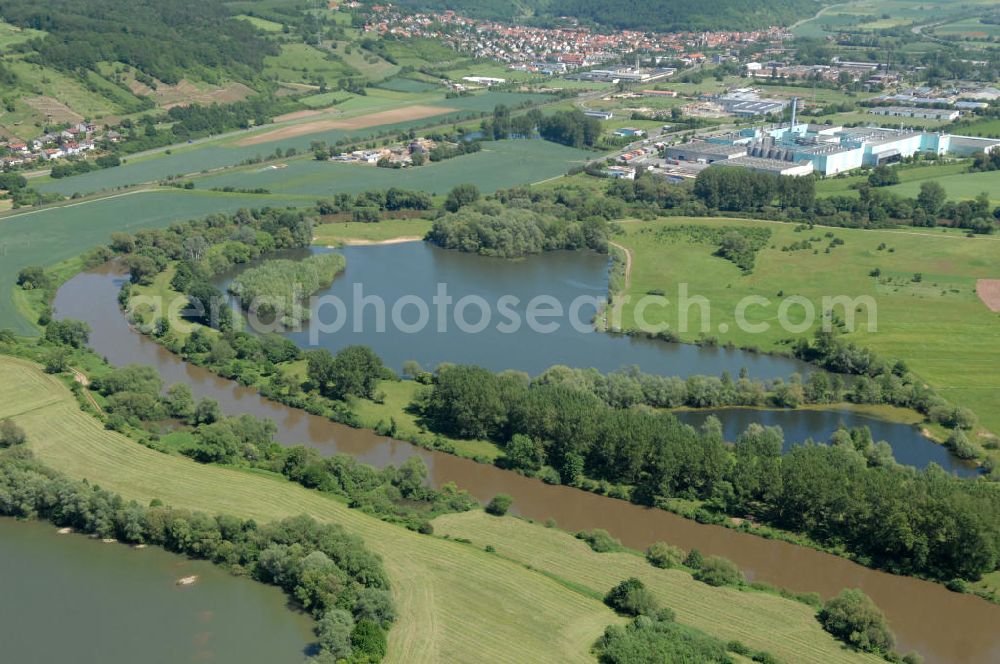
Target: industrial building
624 75
828 149
913 112
705 152
746 103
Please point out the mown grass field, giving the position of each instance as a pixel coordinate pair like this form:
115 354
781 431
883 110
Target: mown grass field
787 629
535 601
500 164
937 325
960 186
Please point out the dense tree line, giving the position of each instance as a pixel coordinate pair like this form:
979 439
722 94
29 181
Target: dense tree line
947 527
733 190
196 120
657 638
326 571
166 40
15 187
492 229
739 189
135 403
275 289
571 128
77 166
504 124
376 201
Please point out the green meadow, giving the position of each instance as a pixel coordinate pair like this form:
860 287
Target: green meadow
954 177
500 164
935 322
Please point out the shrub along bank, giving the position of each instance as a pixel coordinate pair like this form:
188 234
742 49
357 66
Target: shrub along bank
324 570
274 290
569 435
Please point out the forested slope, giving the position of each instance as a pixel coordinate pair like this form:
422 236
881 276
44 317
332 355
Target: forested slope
166 40
651 15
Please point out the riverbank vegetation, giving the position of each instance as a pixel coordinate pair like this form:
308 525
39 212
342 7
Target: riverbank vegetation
491 229
325 570
274 290
568 435
565 615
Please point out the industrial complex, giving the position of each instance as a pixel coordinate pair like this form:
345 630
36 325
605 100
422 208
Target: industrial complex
801 149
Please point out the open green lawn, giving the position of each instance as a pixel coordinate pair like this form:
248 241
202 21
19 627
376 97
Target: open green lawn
960 186
987 128
388 229
11 35
534 600
938 325
499 164
843 185
301 63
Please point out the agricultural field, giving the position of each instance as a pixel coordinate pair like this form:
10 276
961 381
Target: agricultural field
934 321
261 23
47 236
969 28
954 177
456 602
500 164
419 53
224 151
868 15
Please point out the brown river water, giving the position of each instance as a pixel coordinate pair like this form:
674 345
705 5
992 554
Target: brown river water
943 626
